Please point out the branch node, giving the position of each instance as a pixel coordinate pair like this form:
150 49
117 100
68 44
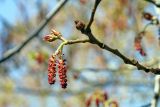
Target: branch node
103 45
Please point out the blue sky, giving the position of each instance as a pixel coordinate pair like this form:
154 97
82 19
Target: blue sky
10 12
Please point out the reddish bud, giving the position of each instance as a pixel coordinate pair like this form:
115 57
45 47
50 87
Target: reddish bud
56 33
147 16
79 25
49 38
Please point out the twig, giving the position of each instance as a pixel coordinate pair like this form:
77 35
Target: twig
147 105
146 26
69 42
35 33
153 2
154 102
126 60
93 13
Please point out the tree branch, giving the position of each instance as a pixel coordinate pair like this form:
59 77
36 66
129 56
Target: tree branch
146 105
35 33
93 13
154 102
153 2
93 40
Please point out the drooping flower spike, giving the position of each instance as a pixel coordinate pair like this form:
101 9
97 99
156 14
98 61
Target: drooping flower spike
62 70
52 70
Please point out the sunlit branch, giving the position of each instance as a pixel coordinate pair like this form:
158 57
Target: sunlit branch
69 42
36 32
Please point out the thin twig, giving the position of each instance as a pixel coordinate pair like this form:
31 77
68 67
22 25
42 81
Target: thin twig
153 2
77 41
147 105
146 26
154 102
35 33
93 13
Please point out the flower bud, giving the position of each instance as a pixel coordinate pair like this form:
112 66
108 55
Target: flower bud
147 16
79 25
49 38
56 33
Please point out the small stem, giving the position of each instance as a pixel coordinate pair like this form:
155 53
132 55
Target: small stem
77 41
146 26
62 38
93 13
154 102
60 48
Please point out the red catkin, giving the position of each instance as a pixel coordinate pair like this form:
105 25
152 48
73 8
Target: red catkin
147 16
52 70
62 70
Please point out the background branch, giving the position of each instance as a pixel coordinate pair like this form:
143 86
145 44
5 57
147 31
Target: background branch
154 102
153 2
35 33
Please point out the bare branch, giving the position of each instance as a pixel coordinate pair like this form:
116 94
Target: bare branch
35 33
93 13
153 2
146 105
154 102
93 40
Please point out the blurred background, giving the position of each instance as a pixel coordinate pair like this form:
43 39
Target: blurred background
23 77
